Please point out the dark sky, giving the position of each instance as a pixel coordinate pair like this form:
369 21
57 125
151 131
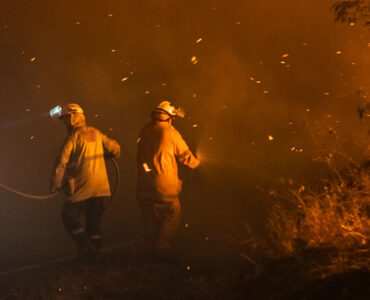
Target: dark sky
252 76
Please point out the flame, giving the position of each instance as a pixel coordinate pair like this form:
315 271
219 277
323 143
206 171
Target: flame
194 60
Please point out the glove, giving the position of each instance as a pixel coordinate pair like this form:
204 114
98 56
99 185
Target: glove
108 155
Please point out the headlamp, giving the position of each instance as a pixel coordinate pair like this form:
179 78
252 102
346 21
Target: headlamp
56 112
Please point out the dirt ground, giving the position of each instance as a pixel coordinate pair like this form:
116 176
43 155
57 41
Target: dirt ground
120 273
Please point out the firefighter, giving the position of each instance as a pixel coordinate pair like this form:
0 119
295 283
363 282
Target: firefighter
81 174
160 148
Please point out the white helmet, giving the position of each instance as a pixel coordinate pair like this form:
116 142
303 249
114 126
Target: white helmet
72 108
170 109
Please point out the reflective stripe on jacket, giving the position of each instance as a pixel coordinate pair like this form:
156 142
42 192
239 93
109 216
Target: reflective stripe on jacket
160 147
81 170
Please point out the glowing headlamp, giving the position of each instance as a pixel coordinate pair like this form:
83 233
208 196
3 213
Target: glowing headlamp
56 112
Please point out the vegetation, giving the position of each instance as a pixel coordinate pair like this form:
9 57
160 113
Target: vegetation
352 11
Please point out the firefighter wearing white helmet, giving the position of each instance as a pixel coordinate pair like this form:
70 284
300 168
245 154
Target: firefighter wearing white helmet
81 174
160 148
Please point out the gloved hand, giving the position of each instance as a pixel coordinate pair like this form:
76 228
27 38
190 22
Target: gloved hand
55 189
108 155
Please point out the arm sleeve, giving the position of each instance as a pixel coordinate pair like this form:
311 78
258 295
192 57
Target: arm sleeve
183 153
111 146
62 163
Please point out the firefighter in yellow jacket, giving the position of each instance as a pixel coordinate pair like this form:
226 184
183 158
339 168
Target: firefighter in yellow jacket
160 148
81 174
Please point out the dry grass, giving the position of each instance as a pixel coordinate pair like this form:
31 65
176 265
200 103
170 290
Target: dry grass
332 212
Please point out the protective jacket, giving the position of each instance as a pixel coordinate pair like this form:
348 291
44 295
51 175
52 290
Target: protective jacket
81 170
160 147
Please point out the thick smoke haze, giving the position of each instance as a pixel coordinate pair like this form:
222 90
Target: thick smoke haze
251 75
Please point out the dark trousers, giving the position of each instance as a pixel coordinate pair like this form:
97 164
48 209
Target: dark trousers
92 209
161 220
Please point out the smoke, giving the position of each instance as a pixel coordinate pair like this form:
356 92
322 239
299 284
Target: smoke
251 75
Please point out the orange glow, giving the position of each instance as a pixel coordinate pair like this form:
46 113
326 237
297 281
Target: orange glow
146 167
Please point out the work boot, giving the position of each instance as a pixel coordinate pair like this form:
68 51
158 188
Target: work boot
86 251
97 243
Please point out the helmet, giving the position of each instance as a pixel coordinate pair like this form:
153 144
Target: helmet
72 108
170 109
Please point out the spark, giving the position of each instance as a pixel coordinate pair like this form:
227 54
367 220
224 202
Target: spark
146 167
338 52
147 92
187 225
138 140
270 138
32 137
352 24
194 95
300 150
38 86
283 62
194 60
96 115
113 50
328 116
164 84
59 290
237 23
78 23
210 138
32 59
353 63
195 125
258 81
199 40
110 15
291 123
266 92
124 79
285 55
28 109
292 149
188 268
326 93
251 78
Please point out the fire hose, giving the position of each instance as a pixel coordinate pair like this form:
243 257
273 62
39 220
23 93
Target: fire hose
52 195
